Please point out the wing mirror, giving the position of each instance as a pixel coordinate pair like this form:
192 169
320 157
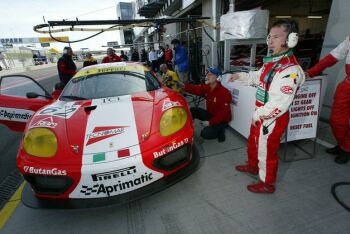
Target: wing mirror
35 95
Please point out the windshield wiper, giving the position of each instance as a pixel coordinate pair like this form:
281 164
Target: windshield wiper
73 97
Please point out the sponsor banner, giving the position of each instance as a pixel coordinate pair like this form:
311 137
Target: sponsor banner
65 111
19 40
167 104
44 123
17 115
49 39
304 112
47 172
169 148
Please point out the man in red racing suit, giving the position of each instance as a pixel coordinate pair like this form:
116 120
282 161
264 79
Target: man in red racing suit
218 99
277 82
340 114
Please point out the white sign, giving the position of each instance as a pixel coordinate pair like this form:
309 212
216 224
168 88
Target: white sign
112 43
304 111
243 104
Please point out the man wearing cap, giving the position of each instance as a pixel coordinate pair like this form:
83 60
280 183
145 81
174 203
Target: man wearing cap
65 66
218 100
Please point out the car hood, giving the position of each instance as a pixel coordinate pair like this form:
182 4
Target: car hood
109 124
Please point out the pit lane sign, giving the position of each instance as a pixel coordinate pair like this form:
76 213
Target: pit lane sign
304 111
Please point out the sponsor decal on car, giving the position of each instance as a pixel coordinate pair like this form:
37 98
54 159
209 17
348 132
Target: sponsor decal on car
116 187
167 104
123 153
13 114
287 89
169 148
101 133
98 157
60 111
114 174
47 172
45 123
109 100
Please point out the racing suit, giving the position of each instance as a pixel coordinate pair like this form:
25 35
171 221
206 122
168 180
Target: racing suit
277 82
111 59
218 111
66 68
340 113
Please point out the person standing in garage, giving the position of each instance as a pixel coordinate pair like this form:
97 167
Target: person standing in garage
66 66
277 82
340 114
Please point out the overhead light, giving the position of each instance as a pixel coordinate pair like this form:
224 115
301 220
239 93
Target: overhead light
314 16
283 16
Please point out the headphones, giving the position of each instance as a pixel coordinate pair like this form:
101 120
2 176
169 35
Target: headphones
292 28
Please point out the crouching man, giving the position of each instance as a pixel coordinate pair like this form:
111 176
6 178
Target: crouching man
218 99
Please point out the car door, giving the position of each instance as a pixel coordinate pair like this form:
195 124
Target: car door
16 108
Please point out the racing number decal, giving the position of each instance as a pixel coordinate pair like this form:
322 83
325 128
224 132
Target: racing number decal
62 112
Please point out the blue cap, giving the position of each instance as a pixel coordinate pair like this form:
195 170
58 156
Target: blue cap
215 71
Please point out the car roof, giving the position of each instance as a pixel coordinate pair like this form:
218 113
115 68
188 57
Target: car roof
111 67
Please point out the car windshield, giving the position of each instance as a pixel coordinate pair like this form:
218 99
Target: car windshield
109 85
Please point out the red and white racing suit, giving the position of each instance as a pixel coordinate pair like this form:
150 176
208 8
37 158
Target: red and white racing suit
272 104
340 114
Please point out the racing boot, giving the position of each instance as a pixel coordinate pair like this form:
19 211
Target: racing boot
247 168
221 137
335 150
343 157
261 187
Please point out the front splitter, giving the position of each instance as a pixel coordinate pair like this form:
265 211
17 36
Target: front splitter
29 199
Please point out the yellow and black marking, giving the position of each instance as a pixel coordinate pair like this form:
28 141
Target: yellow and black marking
101 70
10 206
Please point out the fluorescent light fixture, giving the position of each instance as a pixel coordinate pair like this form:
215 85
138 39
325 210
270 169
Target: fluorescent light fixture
314 16
283 16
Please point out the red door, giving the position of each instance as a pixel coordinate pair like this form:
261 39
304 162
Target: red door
20 98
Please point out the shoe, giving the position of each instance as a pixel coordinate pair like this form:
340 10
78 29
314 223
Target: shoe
261 187
221 137
342 158
247 168
335 150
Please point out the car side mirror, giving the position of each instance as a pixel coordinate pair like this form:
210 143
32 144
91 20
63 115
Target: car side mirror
35 95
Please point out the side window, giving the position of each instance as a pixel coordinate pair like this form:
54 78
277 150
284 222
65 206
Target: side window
19 86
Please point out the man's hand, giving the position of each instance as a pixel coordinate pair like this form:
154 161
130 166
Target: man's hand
233 77
204 123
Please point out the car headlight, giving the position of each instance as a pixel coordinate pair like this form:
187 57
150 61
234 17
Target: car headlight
40 142
172 121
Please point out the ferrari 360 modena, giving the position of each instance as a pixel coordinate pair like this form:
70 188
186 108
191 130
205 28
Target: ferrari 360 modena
113 134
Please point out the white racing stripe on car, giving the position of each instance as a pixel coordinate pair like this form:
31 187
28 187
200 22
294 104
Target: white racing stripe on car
111 129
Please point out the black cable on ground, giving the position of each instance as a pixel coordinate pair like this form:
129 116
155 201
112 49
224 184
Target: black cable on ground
333 191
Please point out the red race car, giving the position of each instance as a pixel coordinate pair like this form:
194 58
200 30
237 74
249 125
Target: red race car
114 134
